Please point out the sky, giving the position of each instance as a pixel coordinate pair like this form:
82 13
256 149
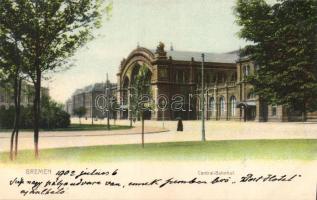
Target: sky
189 25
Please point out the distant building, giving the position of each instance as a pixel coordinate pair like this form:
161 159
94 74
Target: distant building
88 96
27 94
228 95
69 106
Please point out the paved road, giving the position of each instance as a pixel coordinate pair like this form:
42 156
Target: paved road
219 130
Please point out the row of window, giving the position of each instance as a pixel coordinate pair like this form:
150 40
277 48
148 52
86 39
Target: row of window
181 77
246 69
221 77
233 105
222 104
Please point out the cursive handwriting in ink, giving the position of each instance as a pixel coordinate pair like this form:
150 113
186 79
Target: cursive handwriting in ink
268 178
64 180
172 181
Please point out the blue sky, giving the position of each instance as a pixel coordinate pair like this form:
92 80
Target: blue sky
190 25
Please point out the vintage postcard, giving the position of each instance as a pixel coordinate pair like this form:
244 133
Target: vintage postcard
158 99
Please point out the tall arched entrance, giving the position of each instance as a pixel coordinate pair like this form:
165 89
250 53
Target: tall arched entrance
128 75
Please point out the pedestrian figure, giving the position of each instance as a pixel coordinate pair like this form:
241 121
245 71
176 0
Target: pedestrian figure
179 124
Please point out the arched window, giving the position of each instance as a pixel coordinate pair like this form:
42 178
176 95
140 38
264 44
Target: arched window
246 70
222 106
233 104
212 105
251 95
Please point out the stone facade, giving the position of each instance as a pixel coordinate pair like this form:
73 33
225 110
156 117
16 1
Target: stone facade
27 95
87 97
228 96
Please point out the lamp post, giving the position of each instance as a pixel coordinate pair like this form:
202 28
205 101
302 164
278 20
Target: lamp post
163 118
163 111
108 102
203 135
48 109
91 111
129 89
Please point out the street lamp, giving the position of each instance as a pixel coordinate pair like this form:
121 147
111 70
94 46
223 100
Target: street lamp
91 106
163 118
163 111
108 102
129 89
203 135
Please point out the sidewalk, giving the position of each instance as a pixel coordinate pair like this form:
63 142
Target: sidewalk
215 130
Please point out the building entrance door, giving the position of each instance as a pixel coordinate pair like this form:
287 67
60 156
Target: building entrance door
251 113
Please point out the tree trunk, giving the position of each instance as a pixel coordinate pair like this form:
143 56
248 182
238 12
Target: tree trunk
18 113
142 115
11 143
15 88
37 110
